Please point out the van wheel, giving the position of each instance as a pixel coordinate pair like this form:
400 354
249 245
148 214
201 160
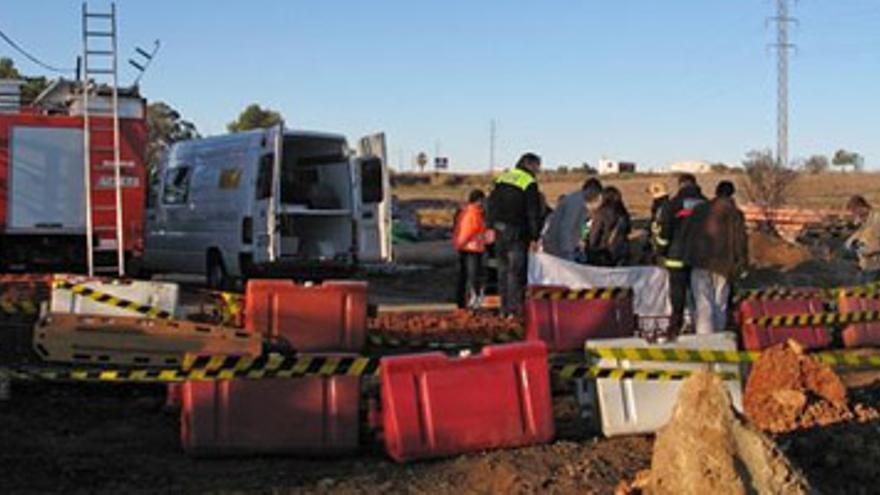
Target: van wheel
215 274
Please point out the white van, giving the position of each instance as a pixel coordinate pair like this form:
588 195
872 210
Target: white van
268 203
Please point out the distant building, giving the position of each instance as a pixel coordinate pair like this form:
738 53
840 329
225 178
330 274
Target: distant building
691 167
607 167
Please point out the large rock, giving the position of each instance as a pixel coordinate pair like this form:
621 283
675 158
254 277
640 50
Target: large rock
706 448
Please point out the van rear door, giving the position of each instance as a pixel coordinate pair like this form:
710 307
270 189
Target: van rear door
267 207
374 212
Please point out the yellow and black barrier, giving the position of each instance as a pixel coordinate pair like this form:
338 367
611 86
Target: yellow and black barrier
815 319
555 294
17 308
87 292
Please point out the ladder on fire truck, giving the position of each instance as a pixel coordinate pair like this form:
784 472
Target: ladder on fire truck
101 146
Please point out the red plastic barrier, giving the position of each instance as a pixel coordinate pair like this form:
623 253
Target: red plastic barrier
434 405
758 337
565 324
860 334
305 416
331 317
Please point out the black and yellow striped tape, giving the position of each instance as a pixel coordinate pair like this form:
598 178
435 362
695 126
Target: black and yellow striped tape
833 358
815 319
673 355
212 368
381 340
777 293
18 308
574 371
556 294
83 290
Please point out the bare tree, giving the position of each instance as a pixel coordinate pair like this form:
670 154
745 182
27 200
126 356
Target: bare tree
768 182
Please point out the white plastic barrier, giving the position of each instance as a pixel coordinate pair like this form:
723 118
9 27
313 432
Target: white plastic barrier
161 296
625 407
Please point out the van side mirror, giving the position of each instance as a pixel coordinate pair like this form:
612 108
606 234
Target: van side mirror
372 180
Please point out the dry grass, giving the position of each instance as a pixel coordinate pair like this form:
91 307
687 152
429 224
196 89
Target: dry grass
826 191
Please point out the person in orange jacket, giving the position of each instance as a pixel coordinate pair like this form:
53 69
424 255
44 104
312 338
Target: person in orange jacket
470 236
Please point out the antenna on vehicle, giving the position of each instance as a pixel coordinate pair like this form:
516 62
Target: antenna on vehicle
142 59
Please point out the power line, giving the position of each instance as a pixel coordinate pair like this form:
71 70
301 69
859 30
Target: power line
32 58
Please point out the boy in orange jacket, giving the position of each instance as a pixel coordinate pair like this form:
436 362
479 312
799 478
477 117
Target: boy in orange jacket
469 236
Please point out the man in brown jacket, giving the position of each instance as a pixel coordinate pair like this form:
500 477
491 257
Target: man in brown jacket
716 246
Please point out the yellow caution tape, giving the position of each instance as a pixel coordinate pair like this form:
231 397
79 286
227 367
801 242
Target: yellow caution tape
574 371
673 355
211 368
555 294
18 308
815 319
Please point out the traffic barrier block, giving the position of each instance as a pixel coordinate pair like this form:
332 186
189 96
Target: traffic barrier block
434 405
330 317
637 393
83 295
565 318
756 336
859 334
299 416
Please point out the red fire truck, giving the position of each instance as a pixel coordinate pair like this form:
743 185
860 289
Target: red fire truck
45 185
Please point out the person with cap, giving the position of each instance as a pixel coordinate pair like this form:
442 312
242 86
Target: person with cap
716 248
659 203
865 242
562 236
515 213
672 241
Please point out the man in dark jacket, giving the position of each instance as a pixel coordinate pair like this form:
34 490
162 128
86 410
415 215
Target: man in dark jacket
659 203
514 213
671 241
608 244
716 247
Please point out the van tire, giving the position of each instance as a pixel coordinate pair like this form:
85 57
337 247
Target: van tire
215 272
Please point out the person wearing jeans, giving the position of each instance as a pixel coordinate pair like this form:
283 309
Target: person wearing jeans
716 248
515 213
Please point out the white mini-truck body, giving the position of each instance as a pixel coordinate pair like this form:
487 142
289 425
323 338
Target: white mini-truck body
268 203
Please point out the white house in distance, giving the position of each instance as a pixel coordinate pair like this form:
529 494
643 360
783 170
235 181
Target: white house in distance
691 167
608 167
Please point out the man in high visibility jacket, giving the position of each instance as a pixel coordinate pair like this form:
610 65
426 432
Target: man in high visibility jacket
514 213
671 243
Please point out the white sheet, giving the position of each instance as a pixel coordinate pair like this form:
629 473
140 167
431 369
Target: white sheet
650 284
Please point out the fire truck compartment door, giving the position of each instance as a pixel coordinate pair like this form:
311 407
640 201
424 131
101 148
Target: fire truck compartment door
46 179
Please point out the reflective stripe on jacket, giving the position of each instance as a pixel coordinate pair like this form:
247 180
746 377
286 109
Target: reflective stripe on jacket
517 178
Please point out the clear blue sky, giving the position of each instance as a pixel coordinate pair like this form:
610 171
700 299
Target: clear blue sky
643 80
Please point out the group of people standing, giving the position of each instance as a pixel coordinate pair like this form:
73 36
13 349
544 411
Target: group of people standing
701 242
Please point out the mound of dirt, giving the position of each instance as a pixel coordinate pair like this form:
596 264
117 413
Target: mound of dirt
449 326
707 448
788 390
771 251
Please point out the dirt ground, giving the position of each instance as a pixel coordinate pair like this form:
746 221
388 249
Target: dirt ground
119 439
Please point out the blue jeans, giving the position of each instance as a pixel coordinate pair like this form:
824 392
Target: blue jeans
512 253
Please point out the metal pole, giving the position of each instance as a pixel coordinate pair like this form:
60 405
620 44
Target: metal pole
117 152
87 168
